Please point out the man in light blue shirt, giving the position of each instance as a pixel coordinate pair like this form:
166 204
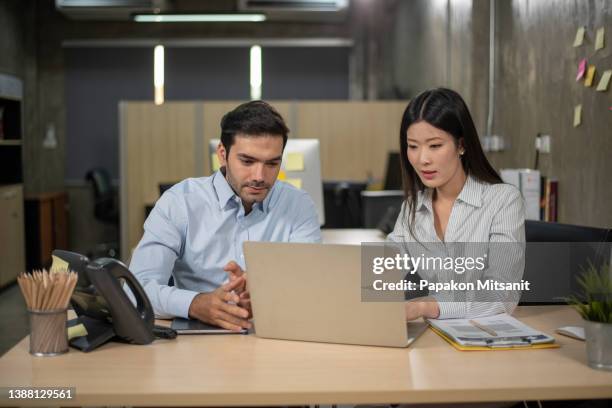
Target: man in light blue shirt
196 230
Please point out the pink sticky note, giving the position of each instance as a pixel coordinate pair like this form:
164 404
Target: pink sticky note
581 69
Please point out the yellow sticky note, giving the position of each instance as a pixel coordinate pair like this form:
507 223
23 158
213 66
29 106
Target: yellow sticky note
77 331
295 182
599 39
588 81
604 81
579 37
215 162
577 115
58 264
295 162
282 175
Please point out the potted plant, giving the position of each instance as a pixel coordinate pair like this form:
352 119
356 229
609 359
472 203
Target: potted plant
595 308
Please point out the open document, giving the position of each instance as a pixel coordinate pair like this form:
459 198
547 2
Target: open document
500 331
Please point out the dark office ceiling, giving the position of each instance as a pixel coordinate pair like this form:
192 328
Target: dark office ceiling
275 10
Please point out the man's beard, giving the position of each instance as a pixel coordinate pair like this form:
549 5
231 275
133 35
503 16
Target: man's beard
238 188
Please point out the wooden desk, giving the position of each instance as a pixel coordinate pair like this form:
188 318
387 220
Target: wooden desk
246 370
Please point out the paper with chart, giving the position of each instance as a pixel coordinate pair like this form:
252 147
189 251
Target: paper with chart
508 330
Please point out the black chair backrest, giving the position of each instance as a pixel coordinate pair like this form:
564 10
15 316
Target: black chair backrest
556 255
540 231
100 181
105 203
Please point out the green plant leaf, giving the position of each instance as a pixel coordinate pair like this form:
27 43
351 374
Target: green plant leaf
596 288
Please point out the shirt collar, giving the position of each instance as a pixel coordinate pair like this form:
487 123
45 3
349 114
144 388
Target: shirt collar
424 200
223 189
265 206
225 193
471 194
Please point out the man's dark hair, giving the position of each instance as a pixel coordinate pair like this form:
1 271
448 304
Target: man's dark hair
252 119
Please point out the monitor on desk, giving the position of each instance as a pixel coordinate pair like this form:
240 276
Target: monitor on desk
393 174
301 167
163 187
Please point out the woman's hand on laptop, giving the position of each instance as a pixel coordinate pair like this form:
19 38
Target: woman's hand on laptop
235 271
221 307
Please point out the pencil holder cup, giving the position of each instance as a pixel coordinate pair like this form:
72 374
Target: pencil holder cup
48 334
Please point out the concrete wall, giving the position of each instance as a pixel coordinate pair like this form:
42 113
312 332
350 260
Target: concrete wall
28 50
12 38
537 92
441 43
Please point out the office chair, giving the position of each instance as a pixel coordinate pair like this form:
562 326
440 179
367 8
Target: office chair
106 209
105 197
562 251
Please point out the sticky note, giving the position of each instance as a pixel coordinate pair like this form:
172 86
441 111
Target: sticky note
581 69
78 330
282 175
58 264
295 162
577 115
588 81
215 162
295 182
579 37
599 39
604 81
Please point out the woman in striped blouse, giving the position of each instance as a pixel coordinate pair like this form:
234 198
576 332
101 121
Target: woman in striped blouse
453 195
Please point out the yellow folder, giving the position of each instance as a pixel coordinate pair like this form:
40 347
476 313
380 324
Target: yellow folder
490 348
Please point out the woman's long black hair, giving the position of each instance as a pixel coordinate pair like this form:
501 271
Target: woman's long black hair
443 109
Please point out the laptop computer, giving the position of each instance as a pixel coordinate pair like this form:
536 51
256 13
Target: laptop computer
312 292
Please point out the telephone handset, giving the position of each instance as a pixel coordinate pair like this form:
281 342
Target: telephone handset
103 306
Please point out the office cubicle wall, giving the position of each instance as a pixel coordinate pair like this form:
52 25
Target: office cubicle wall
167 143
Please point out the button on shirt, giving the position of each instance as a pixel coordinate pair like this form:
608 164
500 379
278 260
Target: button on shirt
491 214
199 225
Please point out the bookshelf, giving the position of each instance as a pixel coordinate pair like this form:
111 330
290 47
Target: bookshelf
12 233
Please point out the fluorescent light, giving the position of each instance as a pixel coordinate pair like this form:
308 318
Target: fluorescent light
158 74
255 72
199 18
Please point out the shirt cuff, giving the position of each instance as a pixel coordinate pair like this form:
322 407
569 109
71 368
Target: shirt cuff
179 302
450 309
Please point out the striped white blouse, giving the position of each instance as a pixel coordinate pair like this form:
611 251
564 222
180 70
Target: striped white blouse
490 214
